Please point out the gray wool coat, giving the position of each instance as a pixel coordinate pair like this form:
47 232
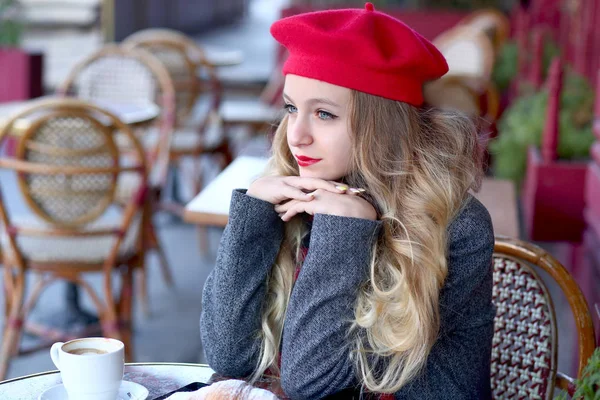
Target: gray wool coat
315 353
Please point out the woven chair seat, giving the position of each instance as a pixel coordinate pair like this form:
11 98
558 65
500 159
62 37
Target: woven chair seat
523 366
88 250
244 111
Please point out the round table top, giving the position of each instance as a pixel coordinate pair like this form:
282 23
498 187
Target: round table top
158 378
128 113
223 58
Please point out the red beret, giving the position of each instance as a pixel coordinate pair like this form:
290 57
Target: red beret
365 50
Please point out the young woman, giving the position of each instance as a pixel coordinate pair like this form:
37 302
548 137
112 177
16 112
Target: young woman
360 259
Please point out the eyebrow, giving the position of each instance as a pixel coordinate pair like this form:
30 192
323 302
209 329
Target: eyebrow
320 100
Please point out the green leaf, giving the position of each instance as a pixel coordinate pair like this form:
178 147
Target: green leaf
10 24
588 387
522 124
505 66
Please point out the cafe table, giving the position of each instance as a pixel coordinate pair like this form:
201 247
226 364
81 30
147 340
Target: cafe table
218 57
211 206
230 70
158 378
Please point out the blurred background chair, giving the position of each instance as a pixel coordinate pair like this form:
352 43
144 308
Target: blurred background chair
492 22
198 93
256 113
115 75
468 85
67 167
452 93
524 352
469 53
470 50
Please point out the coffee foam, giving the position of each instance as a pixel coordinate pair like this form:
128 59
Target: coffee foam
87 345
87 352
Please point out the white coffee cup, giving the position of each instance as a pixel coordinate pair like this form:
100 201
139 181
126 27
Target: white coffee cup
91 368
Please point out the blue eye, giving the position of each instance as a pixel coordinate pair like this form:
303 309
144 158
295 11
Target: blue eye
324 115
290 108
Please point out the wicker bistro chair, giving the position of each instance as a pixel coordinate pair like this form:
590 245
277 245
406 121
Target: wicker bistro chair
256 112
133 76
67 166
524 353
124 76
259 114
492 23
453 93
184 61
470 55
199 131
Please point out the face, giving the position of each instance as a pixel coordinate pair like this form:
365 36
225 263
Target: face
318 132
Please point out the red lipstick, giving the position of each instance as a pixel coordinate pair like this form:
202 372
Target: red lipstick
304 161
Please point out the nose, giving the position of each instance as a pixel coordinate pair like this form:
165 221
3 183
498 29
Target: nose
299 131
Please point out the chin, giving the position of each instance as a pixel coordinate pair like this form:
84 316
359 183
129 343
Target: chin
318 175
308 174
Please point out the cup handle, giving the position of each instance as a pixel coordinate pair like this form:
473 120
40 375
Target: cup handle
54 353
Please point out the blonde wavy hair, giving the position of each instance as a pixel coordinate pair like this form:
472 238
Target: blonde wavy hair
417 166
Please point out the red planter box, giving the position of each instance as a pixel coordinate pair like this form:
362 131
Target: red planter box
553 191
20 74
553 199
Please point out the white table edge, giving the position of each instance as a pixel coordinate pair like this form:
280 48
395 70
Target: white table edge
142 364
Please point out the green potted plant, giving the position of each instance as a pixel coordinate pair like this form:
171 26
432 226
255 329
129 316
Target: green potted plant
588 387
522 124
505 65
10 24
507 60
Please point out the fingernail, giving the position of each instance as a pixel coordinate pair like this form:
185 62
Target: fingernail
361 190
311 194
355 190
342 187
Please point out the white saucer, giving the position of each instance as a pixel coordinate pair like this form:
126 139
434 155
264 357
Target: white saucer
127 391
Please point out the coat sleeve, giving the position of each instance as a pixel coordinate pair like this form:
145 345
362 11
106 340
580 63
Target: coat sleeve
315 357
235 289
458 366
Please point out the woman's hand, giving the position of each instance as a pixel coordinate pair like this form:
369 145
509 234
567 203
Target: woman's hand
277 189
348 204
